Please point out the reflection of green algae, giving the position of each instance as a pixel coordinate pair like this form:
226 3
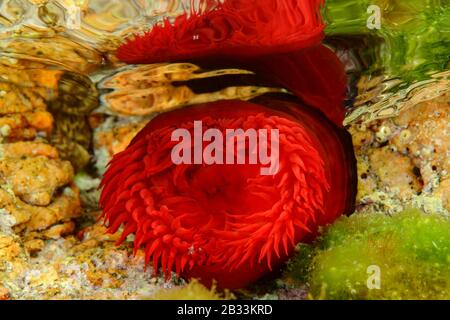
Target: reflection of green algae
411 250
415 33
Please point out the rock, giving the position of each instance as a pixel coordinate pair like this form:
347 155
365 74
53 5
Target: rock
403 161
402 180
38 199
4 294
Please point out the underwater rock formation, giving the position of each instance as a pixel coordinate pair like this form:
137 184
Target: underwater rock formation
36 187
89 266
403 161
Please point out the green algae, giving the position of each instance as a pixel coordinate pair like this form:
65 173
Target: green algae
414 34
192 291
411 251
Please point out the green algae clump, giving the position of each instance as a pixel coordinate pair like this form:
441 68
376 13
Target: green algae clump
193 291
374 256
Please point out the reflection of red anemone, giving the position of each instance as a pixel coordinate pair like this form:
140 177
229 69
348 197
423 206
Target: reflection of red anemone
234 28
228 222
277 38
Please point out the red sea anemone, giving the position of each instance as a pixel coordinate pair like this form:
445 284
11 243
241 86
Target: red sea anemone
228 222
